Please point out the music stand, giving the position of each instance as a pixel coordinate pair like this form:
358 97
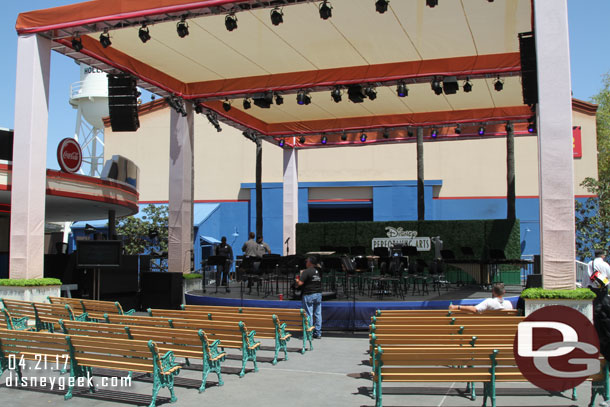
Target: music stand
216 261
269 264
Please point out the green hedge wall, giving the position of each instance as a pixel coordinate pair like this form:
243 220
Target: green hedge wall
481 235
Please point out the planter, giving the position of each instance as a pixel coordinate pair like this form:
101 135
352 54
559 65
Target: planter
585 307
30 293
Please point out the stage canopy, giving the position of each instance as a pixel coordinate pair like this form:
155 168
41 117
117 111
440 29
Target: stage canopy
358 50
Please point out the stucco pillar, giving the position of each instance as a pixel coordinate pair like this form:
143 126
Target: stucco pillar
556 172
291 198
28 185
180 233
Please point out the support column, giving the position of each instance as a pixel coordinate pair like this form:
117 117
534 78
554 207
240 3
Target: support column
180 231
291 199
259 187
111 224
555 162
511 211
421 198
28 186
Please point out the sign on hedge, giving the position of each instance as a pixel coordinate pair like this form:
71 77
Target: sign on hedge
399 236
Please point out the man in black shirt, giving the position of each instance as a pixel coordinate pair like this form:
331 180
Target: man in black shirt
310 281
226 251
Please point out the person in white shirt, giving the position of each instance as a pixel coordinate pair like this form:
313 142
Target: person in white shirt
496 302
599 271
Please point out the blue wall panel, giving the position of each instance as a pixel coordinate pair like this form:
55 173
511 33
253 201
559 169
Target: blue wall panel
394 203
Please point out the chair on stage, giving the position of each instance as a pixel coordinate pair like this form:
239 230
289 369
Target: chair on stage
332 273
217 261
269 269
437 275
249 271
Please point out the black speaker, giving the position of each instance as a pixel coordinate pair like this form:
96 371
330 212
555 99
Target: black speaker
534 281
161 290
123 102
529 72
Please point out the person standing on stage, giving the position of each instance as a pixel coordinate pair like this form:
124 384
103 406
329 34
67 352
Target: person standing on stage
226 251
310 282
250 247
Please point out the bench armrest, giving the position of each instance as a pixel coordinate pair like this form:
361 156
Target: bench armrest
168 363
84 317
130 312
20 324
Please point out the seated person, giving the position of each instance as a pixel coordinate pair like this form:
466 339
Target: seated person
496 302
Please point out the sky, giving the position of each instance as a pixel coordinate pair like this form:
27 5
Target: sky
589 56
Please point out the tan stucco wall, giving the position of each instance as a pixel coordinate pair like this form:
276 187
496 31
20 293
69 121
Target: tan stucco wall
224 160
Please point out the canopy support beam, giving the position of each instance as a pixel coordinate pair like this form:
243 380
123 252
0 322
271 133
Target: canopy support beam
421 197
291 198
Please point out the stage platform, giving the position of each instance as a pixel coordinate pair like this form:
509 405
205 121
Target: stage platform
353 313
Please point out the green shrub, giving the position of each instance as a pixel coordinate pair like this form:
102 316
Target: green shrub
540 293
14 282
191 276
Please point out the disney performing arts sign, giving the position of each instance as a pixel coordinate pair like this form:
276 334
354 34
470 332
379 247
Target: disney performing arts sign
398 236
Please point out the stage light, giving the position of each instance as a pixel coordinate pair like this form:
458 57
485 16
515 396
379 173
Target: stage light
381 6
198 108
324 139
450 85
434 133
344 136
264 100
213 119
77 43
303 98
281 142
531 126
363 137
410 132
105 38
386 133
182 28
231 22
481 130
177 104
402 90
226 105
355 93
436 86
467 85
144 33
370 92
279 99
509 127
247 104
458 129
431 3
336 94
277 16
302 139
498 84
326 10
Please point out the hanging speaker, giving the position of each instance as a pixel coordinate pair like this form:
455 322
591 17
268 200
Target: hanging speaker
123 102
529 72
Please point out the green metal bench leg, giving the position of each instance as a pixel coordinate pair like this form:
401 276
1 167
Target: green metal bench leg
187 362
574 395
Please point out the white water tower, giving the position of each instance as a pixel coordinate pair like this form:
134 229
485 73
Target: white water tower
90 97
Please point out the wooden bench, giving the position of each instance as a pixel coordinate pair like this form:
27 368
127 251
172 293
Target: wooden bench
296 319
231 335
85 353
467 364
441 312
94 308
184 343
44 315
266 327
443 329
17 324
449 320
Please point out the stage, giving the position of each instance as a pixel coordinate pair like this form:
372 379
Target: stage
353 312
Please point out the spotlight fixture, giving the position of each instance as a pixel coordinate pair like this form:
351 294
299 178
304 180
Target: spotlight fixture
279 99
434 133
182 28
450 85
247 104
344 136
381 6
213 119
277 16
177 104
402 90
198 108
498 84
336 94
105 38
509 127
436 86
481 130
531 126
355 93
303 98
431 3
281 142
144 33
458 129
326 10
370 92
226 105
302 139
264 100
231 21
410 132
77 43
386 133
363 137
467 85
324 139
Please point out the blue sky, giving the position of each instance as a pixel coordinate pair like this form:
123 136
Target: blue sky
590 60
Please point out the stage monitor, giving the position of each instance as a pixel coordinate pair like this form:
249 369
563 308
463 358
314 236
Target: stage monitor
98 253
